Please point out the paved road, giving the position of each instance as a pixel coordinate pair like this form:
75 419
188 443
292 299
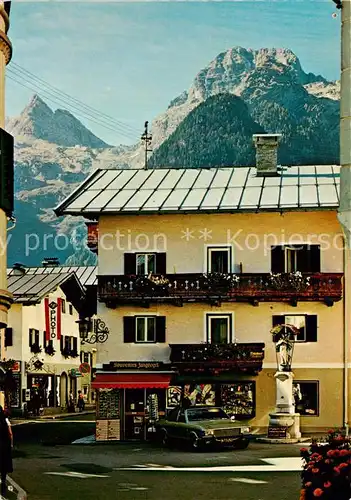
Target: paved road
71 472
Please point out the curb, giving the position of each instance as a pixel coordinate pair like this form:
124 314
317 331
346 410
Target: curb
21 494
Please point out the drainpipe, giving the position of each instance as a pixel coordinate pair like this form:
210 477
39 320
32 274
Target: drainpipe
344 212
346 330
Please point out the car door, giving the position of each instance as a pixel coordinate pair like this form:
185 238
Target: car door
171 423
182 426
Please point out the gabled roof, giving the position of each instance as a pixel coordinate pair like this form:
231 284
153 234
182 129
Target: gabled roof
224 189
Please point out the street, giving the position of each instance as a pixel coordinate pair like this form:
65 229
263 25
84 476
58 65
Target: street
48 467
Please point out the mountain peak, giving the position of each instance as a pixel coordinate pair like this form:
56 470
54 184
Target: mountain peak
38 121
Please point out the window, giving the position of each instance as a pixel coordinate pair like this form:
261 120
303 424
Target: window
145 263
219 260
173 415
63 306
8 337
306 396
306 323
86 357
146 329
181 417
70 309
33 337
292 258
219 329
68 342
238 399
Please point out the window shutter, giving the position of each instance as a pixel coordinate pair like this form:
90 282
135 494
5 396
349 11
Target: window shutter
129 329
278 320
37 340
62 339
161 263
277 259
6 172
129 263
304 259
81 356
8 337
30 338
44 339
75 344
311 328
315 253
161 329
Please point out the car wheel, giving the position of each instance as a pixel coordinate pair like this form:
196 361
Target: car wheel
195 442
164 437
242 444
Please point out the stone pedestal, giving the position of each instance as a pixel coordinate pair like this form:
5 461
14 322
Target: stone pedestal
284 423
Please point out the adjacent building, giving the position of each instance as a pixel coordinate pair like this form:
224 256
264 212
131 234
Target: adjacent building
195 267
42 339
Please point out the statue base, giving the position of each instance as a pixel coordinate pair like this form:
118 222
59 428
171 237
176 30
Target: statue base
284 423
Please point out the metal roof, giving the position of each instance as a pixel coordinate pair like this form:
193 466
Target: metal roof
87 275
224 189
36 282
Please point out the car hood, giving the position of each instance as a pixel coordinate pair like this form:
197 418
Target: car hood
216 424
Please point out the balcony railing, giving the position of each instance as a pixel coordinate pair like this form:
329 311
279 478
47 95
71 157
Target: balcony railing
227 288
218 357
93 236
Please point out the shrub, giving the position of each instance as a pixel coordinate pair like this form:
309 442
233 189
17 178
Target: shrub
327 469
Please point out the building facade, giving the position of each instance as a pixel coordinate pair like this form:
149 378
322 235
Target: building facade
195 269
43 340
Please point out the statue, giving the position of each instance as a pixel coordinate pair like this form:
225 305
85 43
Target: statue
284 338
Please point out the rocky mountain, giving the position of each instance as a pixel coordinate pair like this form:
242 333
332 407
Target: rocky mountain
241 91
216 133
280 96
60 127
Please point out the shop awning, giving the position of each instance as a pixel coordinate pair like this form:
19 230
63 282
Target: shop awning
131 381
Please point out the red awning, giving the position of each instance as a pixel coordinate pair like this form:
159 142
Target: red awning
131 381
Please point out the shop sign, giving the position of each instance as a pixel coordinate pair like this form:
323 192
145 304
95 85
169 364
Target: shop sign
277 432
52 319
134 365
75 373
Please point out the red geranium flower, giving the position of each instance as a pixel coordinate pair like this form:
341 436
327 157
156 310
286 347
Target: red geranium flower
337 470
304 450
327 461
343 465
330 453
327 484
318 492
344 453
315 470
308 484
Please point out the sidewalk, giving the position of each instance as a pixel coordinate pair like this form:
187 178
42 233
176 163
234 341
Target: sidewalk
40 418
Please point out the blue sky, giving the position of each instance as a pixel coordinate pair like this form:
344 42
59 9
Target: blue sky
130 59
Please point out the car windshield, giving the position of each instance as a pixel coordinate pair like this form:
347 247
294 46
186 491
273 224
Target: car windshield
206 414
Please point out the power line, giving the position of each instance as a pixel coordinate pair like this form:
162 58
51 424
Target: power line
62 101
77 111
54 89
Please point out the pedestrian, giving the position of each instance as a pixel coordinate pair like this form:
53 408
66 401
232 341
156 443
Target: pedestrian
80 402
71 403
6 444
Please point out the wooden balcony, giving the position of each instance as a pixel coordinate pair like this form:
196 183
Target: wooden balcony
253 288
217 358
93 236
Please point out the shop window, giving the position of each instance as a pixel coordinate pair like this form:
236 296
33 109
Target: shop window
292 258
144 263
200 394
63 306
144 329
306 324
219 328
219 259
306 396
238 399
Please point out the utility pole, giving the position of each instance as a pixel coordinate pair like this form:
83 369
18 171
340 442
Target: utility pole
146 138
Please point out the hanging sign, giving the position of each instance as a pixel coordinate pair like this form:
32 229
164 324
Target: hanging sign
52 319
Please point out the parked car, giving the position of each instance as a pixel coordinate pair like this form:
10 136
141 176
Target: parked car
202 427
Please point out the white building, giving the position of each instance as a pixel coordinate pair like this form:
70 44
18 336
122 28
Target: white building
43 333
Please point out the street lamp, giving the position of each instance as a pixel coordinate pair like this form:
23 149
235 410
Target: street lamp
96 327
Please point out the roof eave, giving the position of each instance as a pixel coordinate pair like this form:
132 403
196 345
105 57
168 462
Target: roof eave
59 209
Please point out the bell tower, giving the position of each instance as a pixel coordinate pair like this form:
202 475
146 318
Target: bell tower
5 57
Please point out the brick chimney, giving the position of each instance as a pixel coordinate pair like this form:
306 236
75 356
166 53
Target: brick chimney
266 153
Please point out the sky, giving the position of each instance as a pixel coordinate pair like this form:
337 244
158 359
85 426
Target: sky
128 60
